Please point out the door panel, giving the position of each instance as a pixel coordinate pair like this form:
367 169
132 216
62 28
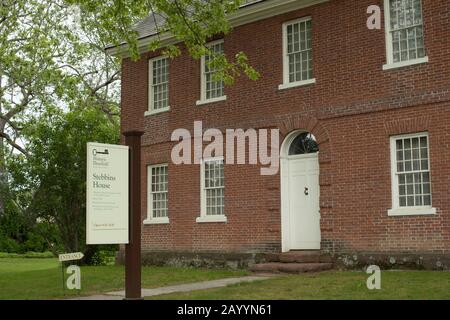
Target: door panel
304 215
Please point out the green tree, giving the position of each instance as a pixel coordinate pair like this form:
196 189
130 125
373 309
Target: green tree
192 22
55 167
47 60
59 89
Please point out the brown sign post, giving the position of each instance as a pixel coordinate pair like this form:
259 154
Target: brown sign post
133 248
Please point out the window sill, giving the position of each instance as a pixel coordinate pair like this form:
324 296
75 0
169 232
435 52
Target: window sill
396 65
153 112
156 221
209 219
285 86
411 212
203 102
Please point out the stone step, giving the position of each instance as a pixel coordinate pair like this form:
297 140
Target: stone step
312 256
303 257
277 267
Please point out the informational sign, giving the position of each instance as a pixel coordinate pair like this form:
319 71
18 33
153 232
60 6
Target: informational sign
107 194
70 256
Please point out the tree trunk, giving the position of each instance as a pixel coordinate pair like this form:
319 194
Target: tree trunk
2 154
3 182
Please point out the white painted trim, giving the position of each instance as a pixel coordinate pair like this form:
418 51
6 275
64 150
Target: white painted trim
245 15
203 99
150 219
269 9
286 84
303 156
209 219
204 218
405 63
396 209
296 84
164 220
122 50
153 112
390 64
284 186
388 36
284 195
419 211
150 110
207 101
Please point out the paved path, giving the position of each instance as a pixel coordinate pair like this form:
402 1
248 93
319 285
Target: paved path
119 295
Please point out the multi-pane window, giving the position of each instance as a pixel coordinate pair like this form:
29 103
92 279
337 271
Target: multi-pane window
158 189
405 30
212 87
213 187
411 168
298 51
159 84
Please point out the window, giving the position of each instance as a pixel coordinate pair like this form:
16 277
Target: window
212 191
404 33
411 181
297 53
212 90
304 143
157 194
159 85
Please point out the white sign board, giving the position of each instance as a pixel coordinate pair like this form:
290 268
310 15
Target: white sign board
70 256
107 194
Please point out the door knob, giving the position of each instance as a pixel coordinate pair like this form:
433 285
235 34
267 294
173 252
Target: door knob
306 191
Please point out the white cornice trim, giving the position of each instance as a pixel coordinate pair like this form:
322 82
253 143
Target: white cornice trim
245 15
268 9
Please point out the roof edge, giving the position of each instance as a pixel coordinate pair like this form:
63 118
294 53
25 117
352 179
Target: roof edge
249 13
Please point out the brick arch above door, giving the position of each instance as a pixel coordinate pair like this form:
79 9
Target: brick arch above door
290 123
287 124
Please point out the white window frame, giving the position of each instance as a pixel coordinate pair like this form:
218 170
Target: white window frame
204 218
151 110
150 219
407 211
286 84
390 64
203 99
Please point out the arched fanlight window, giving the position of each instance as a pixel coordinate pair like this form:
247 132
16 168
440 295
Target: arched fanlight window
304 143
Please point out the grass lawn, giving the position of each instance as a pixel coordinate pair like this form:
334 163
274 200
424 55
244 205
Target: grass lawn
22 278
333 285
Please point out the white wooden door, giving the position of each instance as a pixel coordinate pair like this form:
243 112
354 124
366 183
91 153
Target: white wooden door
304 210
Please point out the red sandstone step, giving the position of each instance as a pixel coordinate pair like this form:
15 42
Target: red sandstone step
304 257
313 256
272 257
275 267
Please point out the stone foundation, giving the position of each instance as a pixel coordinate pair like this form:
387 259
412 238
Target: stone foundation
416 261
347 261
197 260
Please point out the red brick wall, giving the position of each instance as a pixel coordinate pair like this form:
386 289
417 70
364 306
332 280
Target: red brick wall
353 109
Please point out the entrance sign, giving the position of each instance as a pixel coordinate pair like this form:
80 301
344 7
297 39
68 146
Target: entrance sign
107 194
70 256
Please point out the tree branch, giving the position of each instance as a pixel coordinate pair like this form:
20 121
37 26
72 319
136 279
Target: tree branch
13 144
112 79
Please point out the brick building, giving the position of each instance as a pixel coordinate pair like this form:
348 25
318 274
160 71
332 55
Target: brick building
364 120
